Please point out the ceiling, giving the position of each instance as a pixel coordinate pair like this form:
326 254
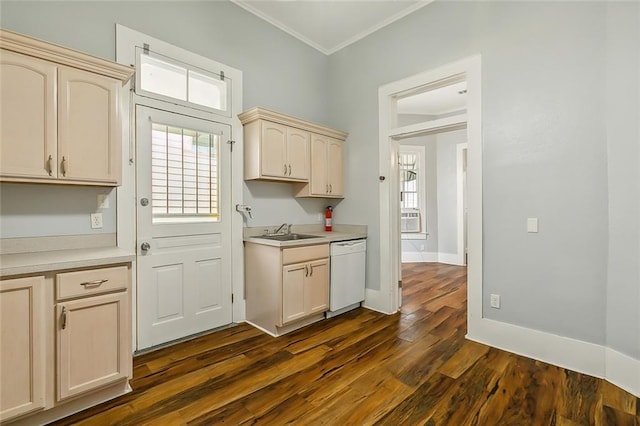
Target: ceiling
330 25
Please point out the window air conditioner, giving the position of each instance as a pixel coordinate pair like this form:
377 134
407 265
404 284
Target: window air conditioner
410 220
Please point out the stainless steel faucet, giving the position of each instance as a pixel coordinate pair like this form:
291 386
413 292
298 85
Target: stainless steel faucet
277 231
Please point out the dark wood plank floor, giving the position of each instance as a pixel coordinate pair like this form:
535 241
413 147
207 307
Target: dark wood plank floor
363 367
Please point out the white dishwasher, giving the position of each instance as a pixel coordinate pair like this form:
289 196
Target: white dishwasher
348 264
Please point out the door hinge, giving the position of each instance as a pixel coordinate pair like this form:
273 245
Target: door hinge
145 48
132 86
400 284
231 297
222 75
231 143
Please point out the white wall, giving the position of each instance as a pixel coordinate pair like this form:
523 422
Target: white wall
544 146
279 72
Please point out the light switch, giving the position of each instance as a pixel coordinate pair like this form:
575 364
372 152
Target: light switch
532 225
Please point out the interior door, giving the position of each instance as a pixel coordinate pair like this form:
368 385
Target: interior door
184 226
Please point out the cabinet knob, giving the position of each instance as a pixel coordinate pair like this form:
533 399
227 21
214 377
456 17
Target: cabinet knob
145 246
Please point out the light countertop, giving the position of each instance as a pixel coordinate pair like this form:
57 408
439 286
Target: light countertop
30 263
340 233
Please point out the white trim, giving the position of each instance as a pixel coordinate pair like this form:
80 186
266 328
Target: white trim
576 355
623 371
377 301
328 51
126 204
455 122
450 259
419 257
460 260
562 351
389 220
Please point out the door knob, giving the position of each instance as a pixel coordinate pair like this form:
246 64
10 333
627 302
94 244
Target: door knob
145 246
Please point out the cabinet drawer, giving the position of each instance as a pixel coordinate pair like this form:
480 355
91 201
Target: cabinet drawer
90 282
302 254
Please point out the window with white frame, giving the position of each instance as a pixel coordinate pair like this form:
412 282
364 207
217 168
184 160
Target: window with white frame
174 81
411 166
184 173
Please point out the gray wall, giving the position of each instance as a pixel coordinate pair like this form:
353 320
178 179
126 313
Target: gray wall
279 72
447 190
622 102
45 210
560 132
544 146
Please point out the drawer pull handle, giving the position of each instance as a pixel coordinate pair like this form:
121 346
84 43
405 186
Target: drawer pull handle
63 318
93 283
64 166
49 168
306 270
311 268
289 169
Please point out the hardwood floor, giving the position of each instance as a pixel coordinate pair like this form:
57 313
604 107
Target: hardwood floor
363 367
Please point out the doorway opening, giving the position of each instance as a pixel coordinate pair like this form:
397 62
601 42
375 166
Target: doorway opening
393 129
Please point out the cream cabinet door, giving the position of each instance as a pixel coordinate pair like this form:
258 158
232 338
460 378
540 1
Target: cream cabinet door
316 297
88 127
28 132
298 153
273 149
319 165
93 343
22 346
336 168
293 300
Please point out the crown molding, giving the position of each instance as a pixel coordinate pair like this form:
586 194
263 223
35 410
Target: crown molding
30 46
259 113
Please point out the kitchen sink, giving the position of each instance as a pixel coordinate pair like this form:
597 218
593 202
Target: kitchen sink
288 237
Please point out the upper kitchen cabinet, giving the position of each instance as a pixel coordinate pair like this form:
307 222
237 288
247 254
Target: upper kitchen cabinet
278 147
276 152
61 121
327 163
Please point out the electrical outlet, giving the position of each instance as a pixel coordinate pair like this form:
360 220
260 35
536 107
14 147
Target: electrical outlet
103 201
532 225
96 220
495 301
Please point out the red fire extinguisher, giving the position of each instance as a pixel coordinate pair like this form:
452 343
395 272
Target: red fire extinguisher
328 216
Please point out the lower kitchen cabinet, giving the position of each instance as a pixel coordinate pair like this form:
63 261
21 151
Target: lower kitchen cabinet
91 341
286 288
66 341
22 346
304 289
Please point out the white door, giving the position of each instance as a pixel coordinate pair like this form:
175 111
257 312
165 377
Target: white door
184 226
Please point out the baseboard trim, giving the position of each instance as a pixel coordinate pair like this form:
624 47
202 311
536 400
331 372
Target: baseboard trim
427 257
576 355
375 300
450 259
418 257
623 371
